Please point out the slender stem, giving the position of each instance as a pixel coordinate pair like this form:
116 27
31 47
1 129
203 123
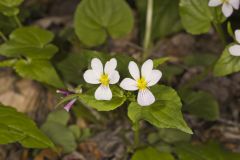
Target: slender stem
136 134
148 30
220 32
17 21
3 36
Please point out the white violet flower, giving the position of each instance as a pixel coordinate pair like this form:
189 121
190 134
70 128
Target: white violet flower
148 78
102 75
235 49
227 5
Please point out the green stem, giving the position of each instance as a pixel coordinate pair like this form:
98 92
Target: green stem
220 32
136 135
3 36
148 30
18 22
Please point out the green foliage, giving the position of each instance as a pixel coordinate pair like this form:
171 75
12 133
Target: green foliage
151 154
60 135
39 70
166 18
10 7
210 151
31 48
67 99
17 127
230 30
8 63
59 116
95 20
56 129
76 131
160 61
117 100
29 51
201 104
203 60
6 24
172 136
227 64
81 111
30 42
197 17
164 113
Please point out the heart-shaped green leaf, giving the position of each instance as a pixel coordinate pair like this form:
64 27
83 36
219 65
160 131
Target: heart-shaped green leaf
117 100
95 20
151 154
31 42
39 70
17 127
164 113
227 63
197 17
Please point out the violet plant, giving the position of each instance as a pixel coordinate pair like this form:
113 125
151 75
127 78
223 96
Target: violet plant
101 78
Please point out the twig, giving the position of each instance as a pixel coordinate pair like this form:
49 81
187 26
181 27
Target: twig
134 46
229 122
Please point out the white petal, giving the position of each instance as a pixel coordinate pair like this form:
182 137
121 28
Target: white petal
103 93
147 68
129 84
114 77
97 66
214 3
234 3
154 77
134 70
237 35
91 77
227 9
110 66
235 50
145 97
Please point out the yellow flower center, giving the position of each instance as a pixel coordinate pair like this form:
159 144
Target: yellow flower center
142 83
104 79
